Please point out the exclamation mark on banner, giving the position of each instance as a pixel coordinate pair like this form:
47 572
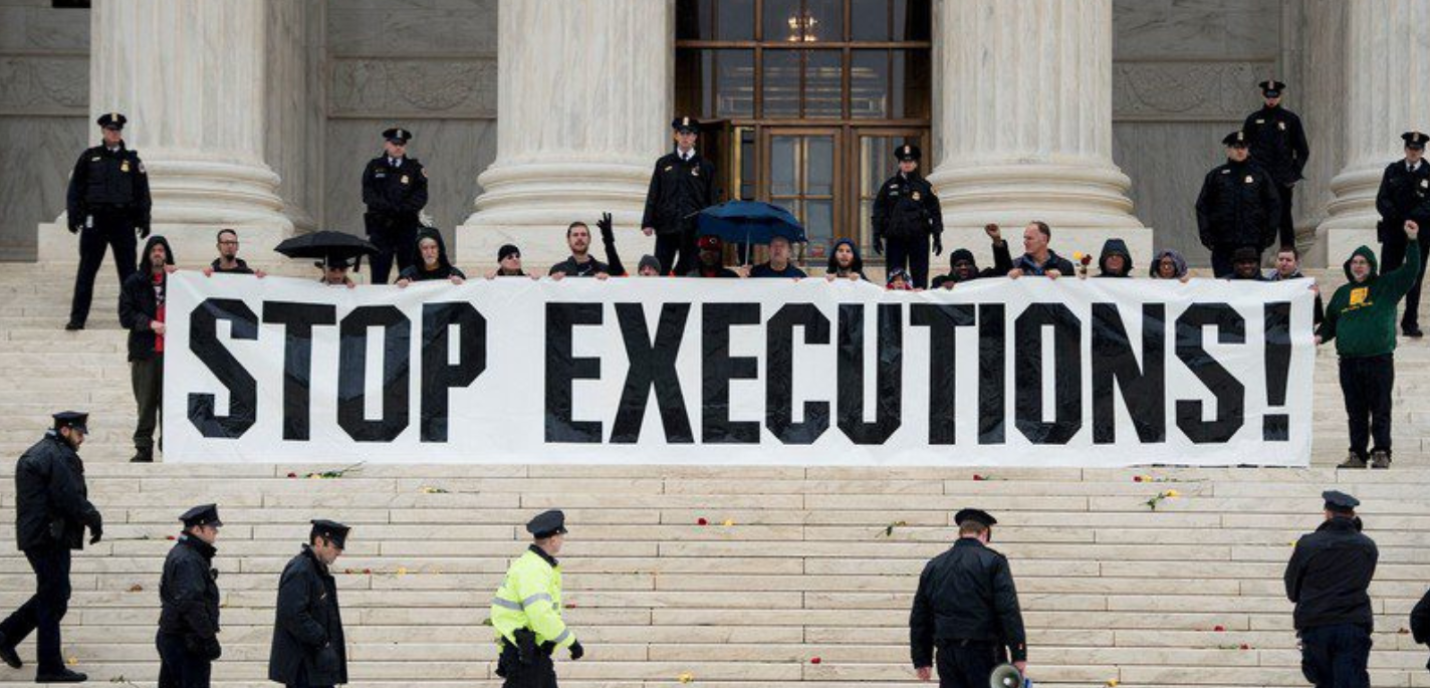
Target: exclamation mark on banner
1276 427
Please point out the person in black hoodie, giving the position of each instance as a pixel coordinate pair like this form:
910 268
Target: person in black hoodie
189 603
141 311
1328 578
1239 207
964 268
309 647
1116 260
432 262
845 262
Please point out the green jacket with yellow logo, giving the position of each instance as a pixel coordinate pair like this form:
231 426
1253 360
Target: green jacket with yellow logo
1361 315
530 597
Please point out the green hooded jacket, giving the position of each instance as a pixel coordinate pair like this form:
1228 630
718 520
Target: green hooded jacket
1361 315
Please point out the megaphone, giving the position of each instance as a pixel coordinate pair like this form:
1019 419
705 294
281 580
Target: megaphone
1008 676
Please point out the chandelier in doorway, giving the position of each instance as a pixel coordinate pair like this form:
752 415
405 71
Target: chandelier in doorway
802 26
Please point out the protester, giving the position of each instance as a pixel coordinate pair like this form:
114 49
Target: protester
509 263
649 266
141 311
899 281
907 215
1288 267
1404 194
1246 265
1115 260
1170 264
432 261
608 242
335 272
580 263
845 262
228 262
394 188
711 259
964 268
1239 207
1361 318
1328 579
682 185
1037 258
189 603
309 648
779 264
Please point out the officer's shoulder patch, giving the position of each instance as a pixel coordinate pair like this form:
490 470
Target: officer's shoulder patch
141 169
668 168
424 172
96 159
1226 170
1261 121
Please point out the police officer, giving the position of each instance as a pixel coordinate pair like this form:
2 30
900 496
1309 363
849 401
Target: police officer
967 607
1278 144
108 201
309 650
526 611
906 214
1405 195
1239 206
1327 578
682 185
394 187
52 509
189 599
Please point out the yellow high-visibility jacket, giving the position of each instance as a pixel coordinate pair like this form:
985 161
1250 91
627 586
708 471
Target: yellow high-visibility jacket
530 597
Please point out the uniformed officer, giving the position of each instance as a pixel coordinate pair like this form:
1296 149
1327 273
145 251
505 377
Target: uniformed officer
52 509
189 598
526 611
682 185
906 215
1278 145
1239 206
1405 195
1327 578
309 650
394 187
967 607
108 202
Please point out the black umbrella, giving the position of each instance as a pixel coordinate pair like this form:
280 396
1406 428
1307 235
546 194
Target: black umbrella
327 246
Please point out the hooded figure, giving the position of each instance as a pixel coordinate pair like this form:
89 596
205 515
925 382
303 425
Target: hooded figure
1178 261
856 267
141 311
1114 248
419 271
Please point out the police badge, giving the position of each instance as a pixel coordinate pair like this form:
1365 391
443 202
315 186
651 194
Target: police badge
124 166
917 196
1250 179
404 179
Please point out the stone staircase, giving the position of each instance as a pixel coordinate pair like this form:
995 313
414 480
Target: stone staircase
721 577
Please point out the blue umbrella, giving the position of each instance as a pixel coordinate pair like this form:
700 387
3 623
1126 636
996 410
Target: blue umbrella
749 222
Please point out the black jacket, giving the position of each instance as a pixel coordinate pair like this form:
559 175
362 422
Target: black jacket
1403 195
139 301
308 633
678 189
907 209
966 593
115 181
418 272
1420 620
1110 248
52 505
240 268
1278 143
1328 575
1238 206
1002 263
394 190
189 597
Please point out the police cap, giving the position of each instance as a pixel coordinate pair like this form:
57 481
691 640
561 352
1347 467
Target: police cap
908 153
398 135
72 419
1272 88
1236 139
547 523
332 530
1339 502
684 124
202 515
975 515
112 120
1414 139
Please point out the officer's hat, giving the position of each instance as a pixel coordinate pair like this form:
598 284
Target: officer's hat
112 120
202 515
1340 502
1414 139
1235 138
1272 88
689 124
975 515
72 419
332 530
546 524
908 153
398 135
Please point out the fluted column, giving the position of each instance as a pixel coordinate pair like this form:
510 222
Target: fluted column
1024 121
1386 43
583 111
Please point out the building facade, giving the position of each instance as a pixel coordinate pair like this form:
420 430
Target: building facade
1098 116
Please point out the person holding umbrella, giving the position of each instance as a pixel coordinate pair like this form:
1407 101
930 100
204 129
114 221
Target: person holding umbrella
336 253
779 264
754 222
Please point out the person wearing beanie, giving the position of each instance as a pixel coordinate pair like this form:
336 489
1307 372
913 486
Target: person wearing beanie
963 267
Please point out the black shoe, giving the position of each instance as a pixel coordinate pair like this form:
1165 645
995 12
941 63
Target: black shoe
64 676
8 654
1412 332
71 326
1380 459
143 456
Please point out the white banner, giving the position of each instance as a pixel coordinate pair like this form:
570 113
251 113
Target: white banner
1032 372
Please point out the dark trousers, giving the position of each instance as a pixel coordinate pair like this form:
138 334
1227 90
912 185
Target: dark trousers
1336 656
114 229
1288 224
966 664
1221 259
539 673
668 246
179 668
147 377
396 240
302 681
45 609
1366 383
909 255
1392 256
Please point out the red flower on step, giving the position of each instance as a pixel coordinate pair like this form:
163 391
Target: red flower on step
1244 646
1220 628
1136 478
701 521
171 537
570 605
977 477
815 660
292 474
367 571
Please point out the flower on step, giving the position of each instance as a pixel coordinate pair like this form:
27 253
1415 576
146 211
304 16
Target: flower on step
1112 683
72 660
1160 497
978 478
428 489
136 588
291 474
815 660
702 521
1220 628
686 677
728 522
338 473
402 570
570 605
1244 646
889 529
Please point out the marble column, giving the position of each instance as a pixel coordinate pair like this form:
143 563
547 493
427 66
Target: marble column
1023 124
192 77
583 111
1386 43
